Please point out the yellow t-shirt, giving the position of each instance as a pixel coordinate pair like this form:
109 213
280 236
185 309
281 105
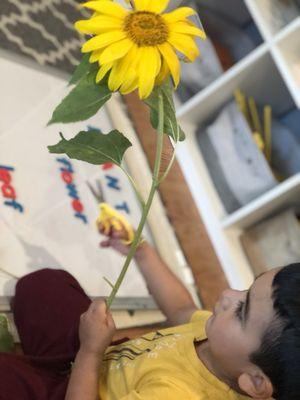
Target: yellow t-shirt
162 365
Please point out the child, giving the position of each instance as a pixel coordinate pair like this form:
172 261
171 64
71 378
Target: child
249 346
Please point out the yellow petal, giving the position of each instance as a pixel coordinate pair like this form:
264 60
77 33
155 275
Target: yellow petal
147 70
107 8
114 79
124 67
103 71
157 6
98 25
187 28
159 62
115 51
179 15
103 40
141 5
130 85
163 74
172 61
184 44
119 74
95 55
125 71
81 5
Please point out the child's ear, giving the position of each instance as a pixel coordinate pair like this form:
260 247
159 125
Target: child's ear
256 385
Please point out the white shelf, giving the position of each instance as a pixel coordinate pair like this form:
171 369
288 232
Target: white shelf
289 29
226 245
229 80
257 75
267 73
286 52
284 195
270 16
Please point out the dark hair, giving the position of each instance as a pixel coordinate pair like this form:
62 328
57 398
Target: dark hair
279 352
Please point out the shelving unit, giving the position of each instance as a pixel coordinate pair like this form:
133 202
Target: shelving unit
285 51
270 73
265 14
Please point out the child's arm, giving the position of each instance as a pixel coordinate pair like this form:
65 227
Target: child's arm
172 297
95 332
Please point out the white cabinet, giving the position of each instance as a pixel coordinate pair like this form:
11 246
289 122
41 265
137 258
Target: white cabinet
270 73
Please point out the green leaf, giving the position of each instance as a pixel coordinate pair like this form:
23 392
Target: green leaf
81 70
94 147
171 126
83 101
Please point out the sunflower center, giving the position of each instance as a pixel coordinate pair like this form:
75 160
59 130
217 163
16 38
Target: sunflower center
146 28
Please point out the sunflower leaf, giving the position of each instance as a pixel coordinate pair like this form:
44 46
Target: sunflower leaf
171 126
83 101
94 147
82 69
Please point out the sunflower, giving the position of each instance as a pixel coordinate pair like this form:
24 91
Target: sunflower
139 47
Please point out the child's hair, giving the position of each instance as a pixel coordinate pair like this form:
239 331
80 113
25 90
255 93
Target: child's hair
279 352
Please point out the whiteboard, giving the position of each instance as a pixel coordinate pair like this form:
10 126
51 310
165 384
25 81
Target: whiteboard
43 221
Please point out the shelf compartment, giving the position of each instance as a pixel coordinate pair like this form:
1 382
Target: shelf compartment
267 87
287 194
253 75
272 16
226 243
287 55
221 51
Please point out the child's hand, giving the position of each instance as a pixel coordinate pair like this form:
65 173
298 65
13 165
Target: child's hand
96 328
114 239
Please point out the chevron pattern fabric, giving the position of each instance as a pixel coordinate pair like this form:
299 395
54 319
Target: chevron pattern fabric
42 30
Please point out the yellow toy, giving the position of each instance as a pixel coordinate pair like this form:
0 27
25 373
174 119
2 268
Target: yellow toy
110 218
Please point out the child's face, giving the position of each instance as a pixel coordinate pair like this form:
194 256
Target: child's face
239 321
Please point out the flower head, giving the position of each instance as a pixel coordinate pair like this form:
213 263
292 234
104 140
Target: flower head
138 47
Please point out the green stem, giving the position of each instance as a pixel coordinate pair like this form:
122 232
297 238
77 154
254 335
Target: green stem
176 135
160 142
168 167
146 207
136 190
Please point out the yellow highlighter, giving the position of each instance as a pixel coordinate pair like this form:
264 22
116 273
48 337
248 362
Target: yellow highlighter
111 218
